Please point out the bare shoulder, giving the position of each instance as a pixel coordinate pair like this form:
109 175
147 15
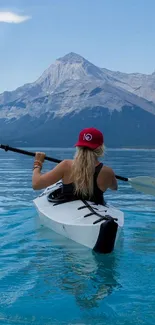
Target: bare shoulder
66 163
108 170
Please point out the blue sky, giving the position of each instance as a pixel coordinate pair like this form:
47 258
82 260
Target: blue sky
114 34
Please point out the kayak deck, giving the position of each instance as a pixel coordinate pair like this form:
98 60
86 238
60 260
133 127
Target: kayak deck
97 229
75 212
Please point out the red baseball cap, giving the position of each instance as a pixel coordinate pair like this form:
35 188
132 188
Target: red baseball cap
90 138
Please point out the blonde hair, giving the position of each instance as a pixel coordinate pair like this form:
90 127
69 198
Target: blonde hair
84 168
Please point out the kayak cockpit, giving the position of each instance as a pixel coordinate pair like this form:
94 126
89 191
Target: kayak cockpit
89 224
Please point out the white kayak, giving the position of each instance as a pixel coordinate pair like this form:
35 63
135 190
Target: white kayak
94 226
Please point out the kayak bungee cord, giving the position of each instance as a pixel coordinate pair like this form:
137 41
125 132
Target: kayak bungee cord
145 184
93 212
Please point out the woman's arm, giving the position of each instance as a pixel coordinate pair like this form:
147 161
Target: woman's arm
113 185
41 181
109 179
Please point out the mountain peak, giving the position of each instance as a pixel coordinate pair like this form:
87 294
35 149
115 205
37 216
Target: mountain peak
71 58
73 67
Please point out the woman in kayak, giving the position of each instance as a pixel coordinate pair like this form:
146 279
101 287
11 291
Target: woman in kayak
84 176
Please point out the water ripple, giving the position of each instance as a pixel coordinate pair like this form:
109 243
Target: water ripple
47 279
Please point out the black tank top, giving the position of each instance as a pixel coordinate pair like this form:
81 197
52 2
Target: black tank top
97 197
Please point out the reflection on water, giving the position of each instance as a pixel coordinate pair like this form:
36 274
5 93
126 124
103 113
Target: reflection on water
88 276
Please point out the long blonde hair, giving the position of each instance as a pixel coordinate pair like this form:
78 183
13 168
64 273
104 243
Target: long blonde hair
84 168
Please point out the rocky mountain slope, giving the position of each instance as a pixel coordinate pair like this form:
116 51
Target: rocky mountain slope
73 93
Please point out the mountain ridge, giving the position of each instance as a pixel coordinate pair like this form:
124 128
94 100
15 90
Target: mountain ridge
72 88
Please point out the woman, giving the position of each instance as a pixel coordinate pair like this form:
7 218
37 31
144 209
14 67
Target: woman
84 176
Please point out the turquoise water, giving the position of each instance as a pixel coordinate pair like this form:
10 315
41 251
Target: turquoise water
47 279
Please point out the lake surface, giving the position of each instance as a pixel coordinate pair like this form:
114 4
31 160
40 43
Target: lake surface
47 279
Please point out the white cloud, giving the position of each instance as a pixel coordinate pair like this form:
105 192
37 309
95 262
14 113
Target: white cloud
10 17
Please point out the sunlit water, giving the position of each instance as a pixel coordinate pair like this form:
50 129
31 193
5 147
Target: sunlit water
47 279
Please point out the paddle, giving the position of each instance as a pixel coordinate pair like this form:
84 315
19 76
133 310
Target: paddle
144 184
24 152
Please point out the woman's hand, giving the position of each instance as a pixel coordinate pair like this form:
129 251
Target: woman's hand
40 156
38 161
37 167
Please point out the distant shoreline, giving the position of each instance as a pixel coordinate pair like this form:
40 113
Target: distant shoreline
72 148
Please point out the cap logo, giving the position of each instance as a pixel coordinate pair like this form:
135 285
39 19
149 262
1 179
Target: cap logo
87 137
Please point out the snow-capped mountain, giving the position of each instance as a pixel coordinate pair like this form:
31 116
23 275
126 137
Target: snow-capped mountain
73 93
